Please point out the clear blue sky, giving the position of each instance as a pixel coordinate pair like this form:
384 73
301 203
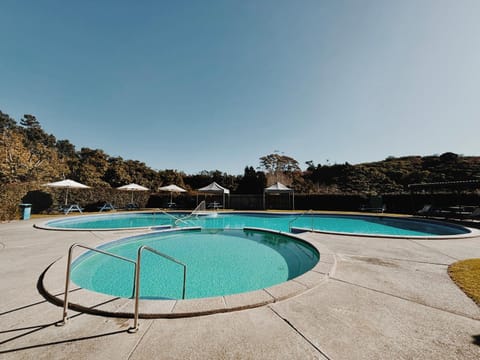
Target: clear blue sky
193 85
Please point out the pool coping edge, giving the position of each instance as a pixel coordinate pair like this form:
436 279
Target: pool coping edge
83 300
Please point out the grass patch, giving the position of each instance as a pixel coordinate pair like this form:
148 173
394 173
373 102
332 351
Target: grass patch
466 274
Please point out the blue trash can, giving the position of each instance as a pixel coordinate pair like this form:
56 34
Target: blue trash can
25 210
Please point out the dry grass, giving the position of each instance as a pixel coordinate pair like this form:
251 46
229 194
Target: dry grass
466 274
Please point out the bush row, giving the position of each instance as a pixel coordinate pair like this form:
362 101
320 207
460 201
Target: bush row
48 200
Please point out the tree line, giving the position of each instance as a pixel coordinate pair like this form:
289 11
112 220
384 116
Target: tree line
30 155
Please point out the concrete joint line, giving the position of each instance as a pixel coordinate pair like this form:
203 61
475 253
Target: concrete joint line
406 299
95 235
139 340
432 249
300 334
273 297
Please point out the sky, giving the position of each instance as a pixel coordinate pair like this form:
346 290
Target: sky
207 85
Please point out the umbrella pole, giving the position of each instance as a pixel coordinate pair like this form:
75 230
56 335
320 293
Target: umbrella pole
132 198
66 197
171 197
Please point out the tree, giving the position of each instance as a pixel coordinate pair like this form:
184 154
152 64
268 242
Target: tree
252 182
170 176
6 122
274 163
117 173
92 167
66 149
34 133
21 164
279 167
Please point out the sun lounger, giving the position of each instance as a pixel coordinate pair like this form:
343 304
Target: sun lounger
426 210
375 204
475 214
131 206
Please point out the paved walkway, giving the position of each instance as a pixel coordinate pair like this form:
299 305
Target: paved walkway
388 299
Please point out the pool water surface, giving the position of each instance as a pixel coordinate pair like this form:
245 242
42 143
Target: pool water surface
219 262
350 224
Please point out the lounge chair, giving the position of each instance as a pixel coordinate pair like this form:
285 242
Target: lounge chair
131 206
475 214
426 210
375 204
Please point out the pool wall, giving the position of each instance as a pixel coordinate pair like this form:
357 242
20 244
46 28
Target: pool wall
469 232
46 224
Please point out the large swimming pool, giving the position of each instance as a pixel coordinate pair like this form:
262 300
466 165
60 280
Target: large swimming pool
349 224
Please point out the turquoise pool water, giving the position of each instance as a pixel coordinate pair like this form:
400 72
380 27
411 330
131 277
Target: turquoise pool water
219 262
369 225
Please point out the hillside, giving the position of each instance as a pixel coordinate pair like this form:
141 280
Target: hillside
30 155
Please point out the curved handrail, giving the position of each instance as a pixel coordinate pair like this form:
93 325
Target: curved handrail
137 280
67 280
296 218
174 217
195 211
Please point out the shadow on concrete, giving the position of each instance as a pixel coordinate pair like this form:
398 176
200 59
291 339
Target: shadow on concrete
33 328
28 330
54 299
22 308
40 327
476 340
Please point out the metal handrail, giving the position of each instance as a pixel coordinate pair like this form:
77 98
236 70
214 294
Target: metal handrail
296 218
199 207
137 280
174 217
67 280
170 215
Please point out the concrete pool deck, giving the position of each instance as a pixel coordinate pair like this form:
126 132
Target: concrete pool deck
388 298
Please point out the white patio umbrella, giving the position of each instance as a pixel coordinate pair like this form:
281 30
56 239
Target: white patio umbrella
172 188
67 184
133 187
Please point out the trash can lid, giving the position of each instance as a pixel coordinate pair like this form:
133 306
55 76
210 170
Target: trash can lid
25 204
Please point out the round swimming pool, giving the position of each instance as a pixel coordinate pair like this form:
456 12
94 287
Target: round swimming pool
349 224
218 262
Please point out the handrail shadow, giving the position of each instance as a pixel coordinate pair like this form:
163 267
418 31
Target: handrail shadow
35 346
476 339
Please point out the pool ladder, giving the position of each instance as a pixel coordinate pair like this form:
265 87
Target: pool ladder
136 281
177 219
297 217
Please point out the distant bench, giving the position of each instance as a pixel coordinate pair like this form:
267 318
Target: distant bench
106 207
71 208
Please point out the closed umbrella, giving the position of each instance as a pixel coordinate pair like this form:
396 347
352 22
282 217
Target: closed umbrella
172 188
133 187
67 184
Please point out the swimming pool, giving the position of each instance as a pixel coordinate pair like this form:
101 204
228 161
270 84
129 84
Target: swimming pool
219 262
343 224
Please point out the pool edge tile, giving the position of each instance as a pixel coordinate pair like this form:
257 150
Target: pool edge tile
248 300
286 290
311 279
193 307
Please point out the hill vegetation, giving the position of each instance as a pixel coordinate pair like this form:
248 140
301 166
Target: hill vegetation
30 157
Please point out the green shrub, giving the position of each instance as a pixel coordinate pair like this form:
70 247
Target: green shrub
10 197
